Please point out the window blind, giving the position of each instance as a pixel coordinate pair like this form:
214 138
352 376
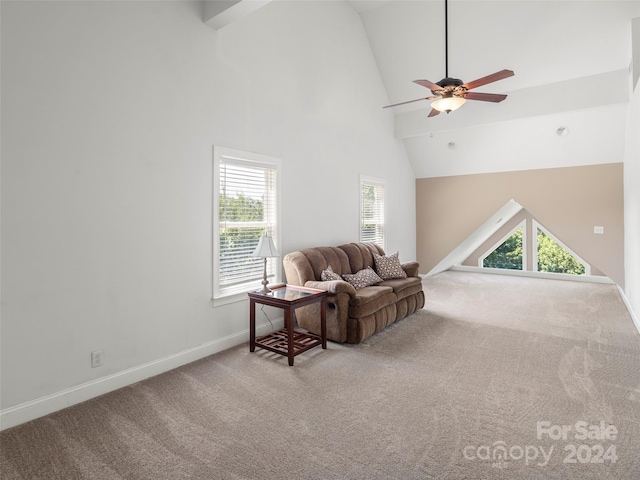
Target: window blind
372 211
247 207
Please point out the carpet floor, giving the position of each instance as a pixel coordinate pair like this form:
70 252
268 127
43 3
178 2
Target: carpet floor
496 378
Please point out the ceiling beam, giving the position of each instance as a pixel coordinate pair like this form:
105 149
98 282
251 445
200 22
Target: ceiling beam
220 13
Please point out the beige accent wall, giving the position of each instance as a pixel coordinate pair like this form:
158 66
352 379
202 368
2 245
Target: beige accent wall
568 201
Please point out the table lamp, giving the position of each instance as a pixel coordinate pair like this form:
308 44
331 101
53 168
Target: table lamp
265 249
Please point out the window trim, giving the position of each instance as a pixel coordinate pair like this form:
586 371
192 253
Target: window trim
379 182
221 296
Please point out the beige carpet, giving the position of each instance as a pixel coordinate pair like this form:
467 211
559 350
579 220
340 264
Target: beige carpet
435 395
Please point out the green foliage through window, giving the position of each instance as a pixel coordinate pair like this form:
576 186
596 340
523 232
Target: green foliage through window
508 255
553 258
238 238
240 208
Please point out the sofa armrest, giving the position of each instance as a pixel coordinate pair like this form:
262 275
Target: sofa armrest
411 268
333 287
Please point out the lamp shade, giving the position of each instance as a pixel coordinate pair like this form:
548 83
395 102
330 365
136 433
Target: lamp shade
265 248
448 104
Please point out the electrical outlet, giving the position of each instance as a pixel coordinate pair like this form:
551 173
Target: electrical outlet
97 358
598 229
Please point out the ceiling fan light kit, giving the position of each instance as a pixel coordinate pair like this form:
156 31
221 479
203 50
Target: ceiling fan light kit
451 93
448 103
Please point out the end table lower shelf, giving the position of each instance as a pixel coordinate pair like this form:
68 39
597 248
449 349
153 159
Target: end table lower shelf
287 341
278 342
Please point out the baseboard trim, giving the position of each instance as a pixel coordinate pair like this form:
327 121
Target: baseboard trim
634 318
530 274
27 411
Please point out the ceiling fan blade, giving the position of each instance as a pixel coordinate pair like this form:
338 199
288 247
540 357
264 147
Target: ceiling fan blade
433 113
404 103
494 77
426 83
485 97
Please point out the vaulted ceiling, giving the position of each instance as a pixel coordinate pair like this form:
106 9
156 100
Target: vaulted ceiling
544 42
572 62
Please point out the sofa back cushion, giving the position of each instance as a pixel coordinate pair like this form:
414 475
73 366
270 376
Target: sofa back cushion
308 264
361 255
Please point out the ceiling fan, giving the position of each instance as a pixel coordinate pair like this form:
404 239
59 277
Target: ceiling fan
451 93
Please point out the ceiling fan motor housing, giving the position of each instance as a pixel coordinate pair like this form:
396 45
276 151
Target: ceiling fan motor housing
450 82
450 86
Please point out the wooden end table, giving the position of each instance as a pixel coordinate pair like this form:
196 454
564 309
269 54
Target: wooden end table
287 341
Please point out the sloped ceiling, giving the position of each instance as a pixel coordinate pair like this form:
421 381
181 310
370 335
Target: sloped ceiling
571 61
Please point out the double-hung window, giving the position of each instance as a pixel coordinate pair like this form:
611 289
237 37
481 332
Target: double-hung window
372 210
245 206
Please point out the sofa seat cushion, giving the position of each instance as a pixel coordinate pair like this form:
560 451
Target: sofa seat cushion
403 287
370 299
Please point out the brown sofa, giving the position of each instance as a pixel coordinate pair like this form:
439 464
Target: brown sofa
352 314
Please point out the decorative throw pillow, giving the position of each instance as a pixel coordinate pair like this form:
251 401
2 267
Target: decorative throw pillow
328 275
389 267
363 278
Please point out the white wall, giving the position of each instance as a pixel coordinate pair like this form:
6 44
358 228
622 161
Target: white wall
596 136
632 200
110 111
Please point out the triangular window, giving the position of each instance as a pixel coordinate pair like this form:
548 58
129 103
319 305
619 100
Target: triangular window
551 255
507 253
